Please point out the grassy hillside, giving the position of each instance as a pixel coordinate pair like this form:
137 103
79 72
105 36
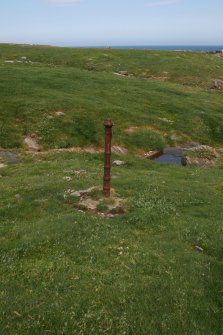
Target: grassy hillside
168 92
157 268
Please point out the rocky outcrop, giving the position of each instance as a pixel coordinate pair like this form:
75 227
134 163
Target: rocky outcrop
202 156
197 162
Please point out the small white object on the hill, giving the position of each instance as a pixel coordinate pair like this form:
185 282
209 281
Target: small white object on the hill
118 163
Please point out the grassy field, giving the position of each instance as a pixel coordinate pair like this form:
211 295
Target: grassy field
157 269
167 91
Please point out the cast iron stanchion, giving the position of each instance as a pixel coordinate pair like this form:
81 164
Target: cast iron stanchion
107 165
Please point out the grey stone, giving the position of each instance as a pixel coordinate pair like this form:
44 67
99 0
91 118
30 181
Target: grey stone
119 150
197 162
90 150
207 148
198 249
82 193
151 154
217 84
88 203
118 163
32 143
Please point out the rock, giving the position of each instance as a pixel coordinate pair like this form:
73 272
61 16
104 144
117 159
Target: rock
2 165
119 150
206 148
217 84
90 150
152 154
118 163
164 119
175 137
82 193
197 162
201 156
32 143
117 210
116 207
59 113
123 73
67 178
17 314
198 249
88 203
13 160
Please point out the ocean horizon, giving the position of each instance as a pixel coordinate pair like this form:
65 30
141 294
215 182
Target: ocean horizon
193 48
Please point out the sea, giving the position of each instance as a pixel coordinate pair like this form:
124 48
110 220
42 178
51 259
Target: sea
193 48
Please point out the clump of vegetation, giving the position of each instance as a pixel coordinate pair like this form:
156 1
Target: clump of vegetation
102 207
203 152
144 140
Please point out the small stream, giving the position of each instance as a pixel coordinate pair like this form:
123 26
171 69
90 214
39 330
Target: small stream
169 158
174 155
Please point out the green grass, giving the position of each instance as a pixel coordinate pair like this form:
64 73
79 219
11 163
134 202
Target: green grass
60 79
66 272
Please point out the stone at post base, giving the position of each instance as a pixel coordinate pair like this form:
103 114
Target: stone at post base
89 200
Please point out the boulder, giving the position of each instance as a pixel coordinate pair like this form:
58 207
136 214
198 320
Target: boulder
197 162
200 156
217 84
32 143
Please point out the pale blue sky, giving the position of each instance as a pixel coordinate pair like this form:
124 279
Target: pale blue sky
112 22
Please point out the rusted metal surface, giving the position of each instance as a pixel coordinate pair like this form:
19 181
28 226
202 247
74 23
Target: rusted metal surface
107 162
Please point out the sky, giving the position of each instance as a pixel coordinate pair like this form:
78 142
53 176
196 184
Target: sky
112 22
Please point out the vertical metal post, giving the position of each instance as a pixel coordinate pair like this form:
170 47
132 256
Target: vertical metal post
107 163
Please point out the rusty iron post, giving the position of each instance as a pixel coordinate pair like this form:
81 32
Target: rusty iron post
107 162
